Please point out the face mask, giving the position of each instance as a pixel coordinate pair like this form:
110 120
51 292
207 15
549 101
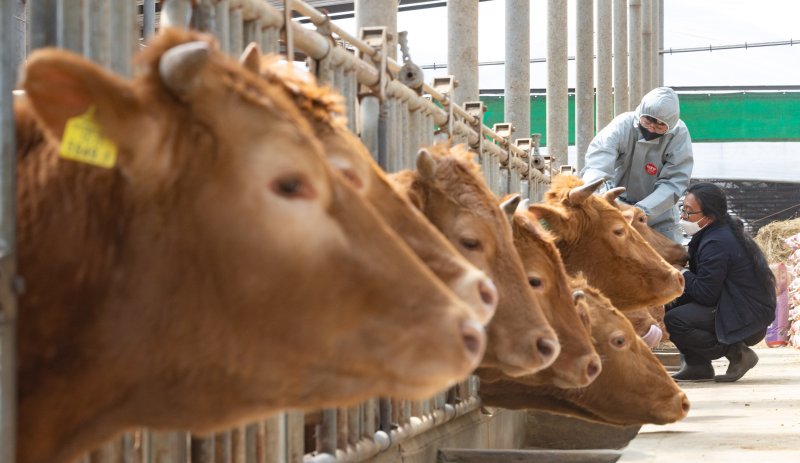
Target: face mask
648 135
691 228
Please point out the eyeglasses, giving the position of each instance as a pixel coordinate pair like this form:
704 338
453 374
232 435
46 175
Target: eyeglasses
687 213
653 124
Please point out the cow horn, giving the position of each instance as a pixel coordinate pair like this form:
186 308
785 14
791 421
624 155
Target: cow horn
426 165
180 65
509 206
579 194
523 205
251 57
578 295
612 194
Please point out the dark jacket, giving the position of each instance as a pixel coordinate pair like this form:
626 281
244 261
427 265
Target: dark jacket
721 274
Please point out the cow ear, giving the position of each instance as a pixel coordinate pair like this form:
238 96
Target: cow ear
549 218
426 165
251 58
61 85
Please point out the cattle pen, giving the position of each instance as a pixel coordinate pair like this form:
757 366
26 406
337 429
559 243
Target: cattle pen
394 113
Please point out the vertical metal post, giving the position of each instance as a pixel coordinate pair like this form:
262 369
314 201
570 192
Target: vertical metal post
270 40
518 68
122 22
238 445
175 13
275 431
584 88
252 32
462 48
8 302
17 29
43 29
168 447
635 53
294 437
70 28
327 432
149 18
647 45
605 101
660 44
96 38
557 99
222 25
621 101
202 450
222 447
371 13
237 35
252 440
205 16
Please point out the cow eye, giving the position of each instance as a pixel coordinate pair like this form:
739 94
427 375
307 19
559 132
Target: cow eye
293 186
643 219
470 244
618 341
619 231
535 282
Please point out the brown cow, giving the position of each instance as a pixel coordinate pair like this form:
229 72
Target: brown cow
449 189
674 253
345 152
633 388
578 364
219 271
596 239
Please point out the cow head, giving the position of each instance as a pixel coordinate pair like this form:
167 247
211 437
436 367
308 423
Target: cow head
633 388
672 252
449 190
577 365
595 238
220 270
345 152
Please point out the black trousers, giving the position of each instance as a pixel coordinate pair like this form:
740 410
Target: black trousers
691 329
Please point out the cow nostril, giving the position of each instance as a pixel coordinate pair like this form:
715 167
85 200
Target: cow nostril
473 337
685 405
488 292
548 348
593 369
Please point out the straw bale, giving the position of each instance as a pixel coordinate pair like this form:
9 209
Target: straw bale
771 239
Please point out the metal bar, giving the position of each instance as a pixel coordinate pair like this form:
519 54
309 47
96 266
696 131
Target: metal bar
205 16
202 450
9 57
222 447
236 33
122 21
96 19
275 439
557 100
175 13
252 439
647 45
294 437
517 106
462 48
605 101
148 18
584 88
70 26
327 432
43 29
238 445
222 25
168 447
621 102
635 54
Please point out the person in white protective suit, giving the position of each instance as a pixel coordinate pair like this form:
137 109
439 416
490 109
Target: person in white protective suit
649 152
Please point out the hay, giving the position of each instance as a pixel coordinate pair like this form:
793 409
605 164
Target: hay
770 238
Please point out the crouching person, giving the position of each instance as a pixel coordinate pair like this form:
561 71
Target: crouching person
728 299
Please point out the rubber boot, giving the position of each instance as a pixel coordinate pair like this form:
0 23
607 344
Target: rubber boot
742 359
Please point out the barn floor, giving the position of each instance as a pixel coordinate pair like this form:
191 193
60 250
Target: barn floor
756 419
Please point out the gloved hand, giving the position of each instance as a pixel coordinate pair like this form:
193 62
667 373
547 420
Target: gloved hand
653 336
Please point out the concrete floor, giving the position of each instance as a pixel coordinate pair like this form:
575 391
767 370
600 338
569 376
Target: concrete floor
756 419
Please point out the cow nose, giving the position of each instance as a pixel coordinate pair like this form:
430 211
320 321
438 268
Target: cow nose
548 349
488 293
474 338
593 367
679 278
480 294
685 404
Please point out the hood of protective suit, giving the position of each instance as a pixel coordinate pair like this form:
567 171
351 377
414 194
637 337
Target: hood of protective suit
661 103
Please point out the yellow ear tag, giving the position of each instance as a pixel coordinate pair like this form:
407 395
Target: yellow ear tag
82 142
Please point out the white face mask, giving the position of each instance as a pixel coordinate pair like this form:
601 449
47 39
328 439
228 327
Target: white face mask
691 228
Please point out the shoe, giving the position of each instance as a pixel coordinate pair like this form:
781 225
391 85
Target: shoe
695 373
742 359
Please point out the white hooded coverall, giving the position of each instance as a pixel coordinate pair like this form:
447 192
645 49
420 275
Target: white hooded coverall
654 173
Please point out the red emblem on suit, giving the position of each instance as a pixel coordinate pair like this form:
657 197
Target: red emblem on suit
651 169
